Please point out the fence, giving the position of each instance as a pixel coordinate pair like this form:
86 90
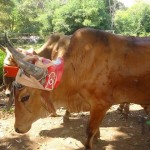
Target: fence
21 38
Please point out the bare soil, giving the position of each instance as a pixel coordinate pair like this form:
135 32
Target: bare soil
52 133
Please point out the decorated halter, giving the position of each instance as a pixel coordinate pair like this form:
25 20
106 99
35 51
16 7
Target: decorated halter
11 71
51 78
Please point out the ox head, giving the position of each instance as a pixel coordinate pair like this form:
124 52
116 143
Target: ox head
30 103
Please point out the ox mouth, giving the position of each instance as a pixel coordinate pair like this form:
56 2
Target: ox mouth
17 130
22 131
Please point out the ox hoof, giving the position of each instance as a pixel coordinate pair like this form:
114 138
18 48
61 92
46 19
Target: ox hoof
54 115
119 110
96 139
66 119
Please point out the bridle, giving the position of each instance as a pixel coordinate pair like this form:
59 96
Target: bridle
17 86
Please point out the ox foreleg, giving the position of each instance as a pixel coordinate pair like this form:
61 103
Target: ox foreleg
120 108
97 114
66 116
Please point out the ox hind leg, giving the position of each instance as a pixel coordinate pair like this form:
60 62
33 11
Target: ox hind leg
97 114
124 109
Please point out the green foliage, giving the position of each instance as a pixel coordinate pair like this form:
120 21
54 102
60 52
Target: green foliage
6 19
2 56
145 19
80 13
148 122
36 16
134 21
26 15
66 18
47 16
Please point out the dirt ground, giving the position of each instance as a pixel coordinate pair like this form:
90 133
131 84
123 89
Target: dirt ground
52 133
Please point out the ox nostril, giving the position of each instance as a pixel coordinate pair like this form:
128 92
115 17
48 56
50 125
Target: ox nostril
17 130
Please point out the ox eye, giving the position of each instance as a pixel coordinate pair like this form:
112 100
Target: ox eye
25 98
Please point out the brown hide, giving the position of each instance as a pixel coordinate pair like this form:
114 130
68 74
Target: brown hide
55 47
101 69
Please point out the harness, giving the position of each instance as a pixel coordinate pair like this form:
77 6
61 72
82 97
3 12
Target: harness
49 81
51 78
16 86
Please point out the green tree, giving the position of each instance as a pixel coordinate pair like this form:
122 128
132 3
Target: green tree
35 16
133 21
80 13
27 13
7 17
145 19
46 15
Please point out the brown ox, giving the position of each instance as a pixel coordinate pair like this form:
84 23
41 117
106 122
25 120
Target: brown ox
55 47
101 69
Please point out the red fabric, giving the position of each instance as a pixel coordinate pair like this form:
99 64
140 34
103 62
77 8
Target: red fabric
10 71
54 75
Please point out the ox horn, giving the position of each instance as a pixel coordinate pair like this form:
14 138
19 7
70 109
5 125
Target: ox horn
29 68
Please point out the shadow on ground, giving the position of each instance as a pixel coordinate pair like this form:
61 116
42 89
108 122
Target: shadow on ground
122 134
116 133
17 143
